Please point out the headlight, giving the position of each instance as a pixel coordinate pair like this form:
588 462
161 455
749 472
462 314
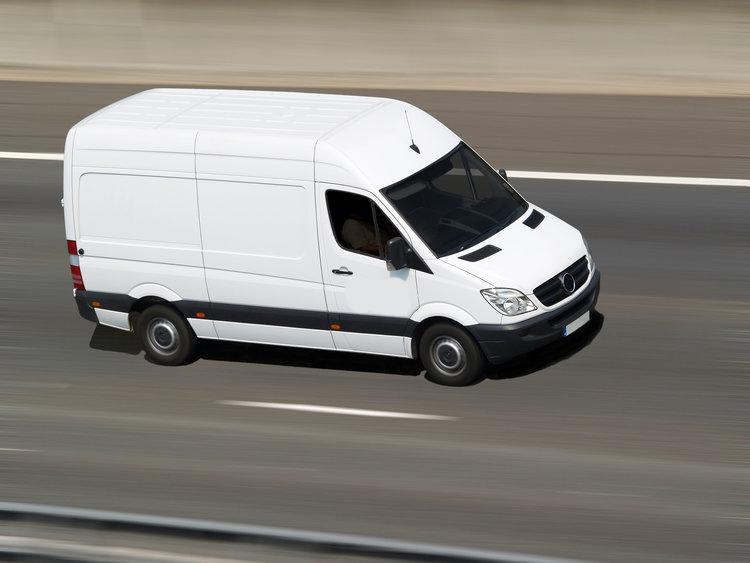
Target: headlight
508 301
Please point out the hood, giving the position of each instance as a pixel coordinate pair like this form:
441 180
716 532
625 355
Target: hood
528 256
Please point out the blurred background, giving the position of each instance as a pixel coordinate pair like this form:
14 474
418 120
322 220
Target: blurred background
608 46
629 444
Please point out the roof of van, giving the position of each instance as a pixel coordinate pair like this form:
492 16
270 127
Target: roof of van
286 113
364 136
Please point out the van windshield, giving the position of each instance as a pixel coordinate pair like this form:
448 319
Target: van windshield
456 202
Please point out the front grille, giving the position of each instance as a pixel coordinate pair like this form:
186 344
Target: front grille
552 291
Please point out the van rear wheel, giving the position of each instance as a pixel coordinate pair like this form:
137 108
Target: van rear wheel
451 356
166 336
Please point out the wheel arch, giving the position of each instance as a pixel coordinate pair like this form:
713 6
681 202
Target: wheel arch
144 303
146 295
153 290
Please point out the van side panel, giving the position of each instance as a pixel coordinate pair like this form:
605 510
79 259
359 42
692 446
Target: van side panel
260 250
258 227
119 278
148 218
142 218
135 230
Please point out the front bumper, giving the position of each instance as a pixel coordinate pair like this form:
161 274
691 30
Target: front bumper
503 342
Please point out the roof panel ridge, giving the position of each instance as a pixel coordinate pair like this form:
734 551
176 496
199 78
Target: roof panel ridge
214 94
359 115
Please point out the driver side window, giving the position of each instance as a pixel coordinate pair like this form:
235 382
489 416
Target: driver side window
358 224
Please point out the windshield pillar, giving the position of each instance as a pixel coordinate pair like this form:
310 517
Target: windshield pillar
467 168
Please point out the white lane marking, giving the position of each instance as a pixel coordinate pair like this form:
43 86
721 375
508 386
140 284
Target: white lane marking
16 450
34 384
272 468
599 494
532 175
40 546
31 155
630 179
336 410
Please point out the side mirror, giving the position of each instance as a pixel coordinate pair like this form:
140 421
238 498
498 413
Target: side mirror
396 252
502 173
399 255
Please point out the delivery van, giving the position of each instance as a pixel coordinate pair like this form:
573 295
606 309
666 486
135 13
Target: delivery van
332 222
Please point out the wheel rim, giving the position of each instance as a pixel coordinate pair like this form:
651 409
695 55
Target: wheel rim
163 336
448 356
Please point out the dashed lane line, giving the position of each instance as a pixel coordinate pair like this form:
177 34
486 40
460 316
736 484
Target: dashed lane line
336 410
629 178
31 155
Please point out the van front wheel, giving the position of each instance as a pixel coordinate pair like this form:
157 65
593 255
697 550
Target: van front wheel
166 336
451 356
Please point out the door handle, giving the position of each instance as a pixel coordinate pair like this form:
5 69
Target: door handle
343 271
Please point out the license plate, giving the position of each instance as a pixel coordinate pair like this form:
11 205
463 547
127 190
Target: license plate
576 324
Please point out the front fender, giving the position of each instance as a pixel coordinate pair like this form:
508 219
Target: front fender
444 310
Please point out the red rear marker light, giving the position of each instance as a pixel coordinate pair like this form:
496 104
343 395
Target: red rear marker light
77 278
75 268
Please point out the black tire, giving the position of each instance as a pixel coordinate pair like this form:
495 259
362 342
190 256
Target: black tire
166 336
451 356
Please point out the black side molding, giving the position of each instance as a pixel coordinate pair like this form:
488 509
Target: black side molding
477 255
534 219
254 314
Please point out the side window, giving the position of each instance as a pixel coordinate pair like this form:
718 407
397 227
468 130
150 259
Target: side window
358 224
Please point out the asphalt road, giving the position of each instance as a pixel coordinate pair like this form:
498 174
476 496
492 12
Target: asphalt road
632 447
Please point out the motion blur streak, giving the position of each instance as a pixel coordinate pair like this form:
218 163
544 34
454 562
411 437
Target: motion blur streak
676 47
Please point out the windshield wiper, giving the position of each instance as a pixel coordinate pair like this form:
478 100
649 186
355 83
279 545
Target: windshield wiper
480 237
487 234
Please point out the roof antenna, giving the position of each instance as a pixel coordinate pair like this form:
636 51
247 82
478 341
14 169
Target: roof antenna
413 146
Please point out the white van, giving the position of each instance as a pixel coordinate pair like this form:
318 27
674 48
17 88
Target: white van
318 221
